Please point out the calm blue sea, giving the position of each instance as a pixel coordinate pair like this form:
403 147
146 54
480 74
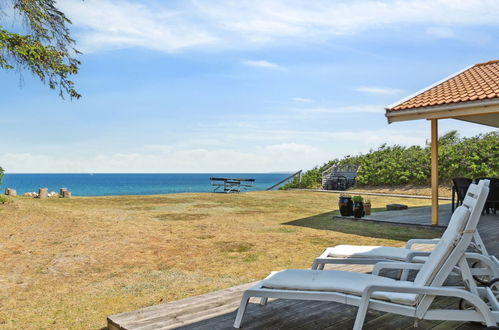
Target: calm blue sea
129 184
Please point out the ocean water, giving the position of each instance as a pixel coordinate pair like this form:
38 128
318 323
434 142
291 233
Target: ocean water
129 184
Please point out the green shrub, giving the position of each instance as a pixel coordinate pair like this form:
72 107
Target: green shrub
472 157
357 199
394 165
3 199
1 174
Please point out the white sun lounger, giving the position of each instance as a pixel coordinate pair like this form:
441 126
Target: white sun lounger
388 295
484 264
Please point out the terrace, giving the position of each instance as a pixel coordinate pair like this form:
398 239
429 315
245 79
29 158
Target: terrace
217 310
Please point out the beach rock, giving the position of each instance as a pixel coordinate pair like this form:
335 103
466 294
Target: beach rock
43 193
396 207
53 194
66 194
61 191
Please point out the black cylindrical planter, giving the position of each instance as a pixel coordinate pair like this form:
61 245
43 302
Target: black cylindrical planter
358 209
346 206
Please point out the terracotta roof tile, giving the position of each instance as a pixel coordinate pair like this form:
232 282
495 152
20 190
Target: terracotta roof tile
479 82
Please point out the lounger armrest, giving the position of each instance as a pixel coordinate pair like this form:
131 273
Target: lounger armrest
395 265
475 256
413 254
480 306
413 241
325 253
428 290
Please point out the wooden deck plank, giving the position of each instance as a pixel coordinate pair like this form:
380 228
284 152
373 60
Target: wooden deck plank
275 313
172 310
342 314
414 217
278 314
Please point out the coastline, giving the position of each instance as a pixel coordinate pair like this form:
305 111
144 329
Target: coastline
124 184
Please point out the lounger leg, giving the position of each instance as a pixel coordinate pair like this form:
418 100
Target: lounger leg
405 274
361 313
263 301
241 310
317 265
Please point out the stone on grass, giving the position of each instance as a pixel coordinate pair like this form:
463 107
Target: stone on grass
43 193
10 192
396 207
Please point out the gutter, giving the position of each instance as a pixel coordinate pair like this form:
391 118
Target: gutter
444 107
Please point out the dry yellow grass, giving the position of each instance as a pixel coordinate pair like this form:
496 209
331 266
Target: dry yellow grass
68 263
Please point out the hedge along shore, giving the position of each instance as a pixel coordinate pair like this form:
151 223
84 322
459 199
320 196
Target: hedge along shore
473 157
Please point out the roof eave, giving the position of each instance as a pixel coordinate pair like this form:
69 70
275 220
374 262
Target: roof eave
453 110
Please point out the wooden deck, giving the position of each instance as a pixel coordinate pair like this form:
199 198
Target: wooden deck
217 310
414 216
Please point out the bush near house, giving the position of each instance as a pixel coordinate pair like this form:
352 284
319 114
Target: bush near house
472 157
1 174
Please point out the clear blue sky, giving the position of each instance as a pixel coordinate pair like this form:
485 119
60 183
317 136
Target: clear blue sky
239 86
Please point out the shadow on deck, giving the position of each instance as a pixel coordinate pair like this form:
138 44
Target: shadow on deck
418 217
217 310
414 216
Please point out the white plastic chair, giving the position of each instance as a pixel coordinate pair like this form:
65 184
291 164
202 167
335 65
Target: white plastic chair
484 265
388 295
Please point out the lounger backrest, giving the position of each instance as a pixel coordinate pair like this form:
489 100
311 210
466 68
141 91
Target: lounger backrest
475 199
444 247
464 219
471 197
